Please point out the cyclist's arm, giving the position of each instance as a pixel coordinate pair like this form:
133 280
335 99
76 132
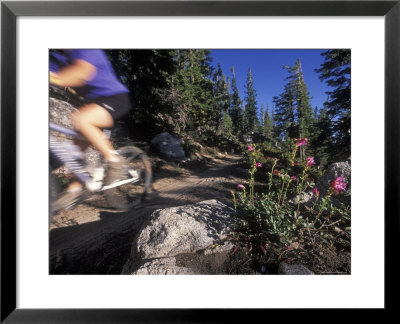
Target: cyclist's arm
74 75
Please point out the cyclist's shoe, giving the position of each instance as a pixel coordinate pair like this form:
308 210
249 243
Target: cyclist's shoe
67 200
115 171
133 174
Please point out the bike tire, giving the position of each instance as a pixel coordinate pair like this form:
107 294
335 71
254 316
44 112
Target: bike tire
130 195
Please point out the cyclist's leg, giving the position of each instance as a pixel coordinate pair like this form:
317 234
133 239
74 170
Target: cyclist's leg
89 120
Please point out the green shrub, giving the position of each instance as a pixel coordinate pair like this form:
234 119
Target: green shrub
211 150
63 177
270 216
221 141
190 148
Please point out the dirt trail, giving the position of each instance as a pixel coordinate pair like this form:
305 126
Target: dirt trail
97 240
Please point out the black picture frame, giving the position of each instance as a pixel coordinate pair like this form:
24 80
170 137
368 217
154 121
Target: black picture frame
10 10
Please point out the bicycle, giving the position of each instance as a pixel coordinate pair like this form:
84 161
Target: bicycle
121 195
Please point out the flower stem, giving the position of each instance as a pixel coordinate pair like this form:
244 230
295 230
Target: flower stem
300 190
315 202
287 187
284 196
322 207
281 191
234 200
294 154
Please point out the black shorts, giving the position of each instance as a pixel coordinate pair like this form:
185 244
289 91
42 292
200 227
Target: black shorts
118 106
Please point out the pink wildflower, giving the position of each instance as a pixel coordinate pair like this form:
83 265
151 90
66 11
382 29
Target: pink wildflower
310 161
275 172
316 192
258 165
294 178
250 148
262 248
251 247
234 250
240 186
301 142
338 185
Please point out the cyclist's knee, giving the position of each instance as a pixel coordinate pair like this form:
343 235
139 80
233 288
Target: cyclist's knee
92 116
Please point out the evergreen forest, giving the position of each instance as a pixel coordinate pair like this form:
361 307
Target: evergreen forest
181 92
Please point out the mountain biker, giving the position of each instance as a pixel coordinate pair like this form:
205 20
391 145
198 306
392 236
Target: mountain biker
90 74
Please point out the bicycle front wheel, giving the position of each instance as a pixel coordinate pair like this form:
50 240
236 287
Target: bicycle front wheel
127 195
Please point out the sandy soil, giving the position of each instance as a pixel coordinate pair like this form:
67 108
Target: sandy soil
93 239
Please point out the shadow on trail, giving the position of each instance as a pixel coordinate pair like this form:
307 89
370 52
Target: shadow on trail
100 243
85 245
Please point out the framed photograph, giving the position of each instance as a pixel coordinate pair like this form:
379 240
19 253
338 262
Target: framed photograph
361 36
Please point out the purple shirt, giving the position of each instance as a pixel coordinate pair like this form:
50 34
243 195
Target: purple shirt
103 84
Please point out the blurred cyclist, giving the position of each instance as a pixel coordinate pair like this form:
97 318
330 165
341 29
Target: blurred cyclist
91 76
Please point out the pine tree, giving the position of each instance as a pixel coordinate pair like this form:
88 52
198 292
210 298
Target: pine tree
195 86
284 111
235 111
250 113
227 125
335 71
268 124
323 137
293 105
147 74
262 116
302 98
221 98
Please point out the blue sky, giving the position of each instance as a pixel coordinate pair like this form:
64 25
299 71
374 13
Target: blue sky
268 74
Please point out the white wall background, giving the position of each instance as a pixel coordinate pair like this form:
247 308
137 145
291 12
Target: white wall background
363 288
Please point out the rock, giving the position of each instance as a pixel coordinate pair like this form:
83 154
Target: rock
60 112
169 147
247 139
219 248
184 229
293 269
201 227
162 266
92 157
335 170
306 198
